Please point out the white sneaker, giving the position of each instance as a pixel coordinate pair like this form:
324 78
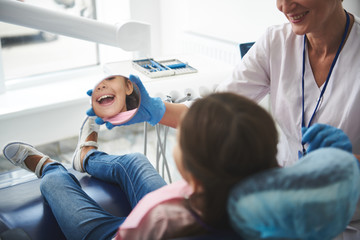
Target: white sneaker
17 152
86 129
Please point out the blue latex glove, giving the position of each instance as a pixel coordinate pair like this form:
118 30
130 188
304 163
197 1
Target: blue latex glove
151 110
322 135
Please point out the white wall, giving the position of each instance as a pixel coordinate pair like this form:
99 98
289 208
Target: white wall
234 20
352 6
112 12
230 20
149 11
239 20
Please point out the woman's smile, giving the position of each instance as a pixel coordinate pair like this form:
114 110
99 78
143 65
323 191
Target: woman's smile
296 18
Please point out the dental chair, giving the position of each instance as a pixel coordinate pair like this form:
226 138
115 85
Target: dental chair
315 197
25 215
245 47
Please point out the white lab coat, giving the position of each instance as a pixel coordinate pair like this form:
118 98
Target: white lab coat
274 65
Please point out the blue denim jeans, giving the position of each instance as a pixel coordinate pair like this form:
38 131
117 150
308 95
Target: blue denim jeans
78 215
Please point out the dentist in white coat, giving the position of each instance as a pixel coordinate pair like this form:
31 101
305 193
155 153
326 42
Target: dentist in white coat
311 69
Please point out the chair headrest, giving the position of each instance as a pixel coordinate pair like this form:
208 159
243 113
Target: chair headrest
313 199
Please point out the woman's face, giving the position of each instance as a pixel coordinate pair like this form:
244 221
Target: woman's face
308 16
109 96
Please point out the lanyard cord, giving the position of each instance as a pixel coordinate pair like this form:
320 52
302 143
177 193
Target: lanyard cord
328 77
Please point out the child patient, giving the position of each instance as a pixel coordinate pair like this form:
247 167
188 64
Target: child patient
115 99
222 139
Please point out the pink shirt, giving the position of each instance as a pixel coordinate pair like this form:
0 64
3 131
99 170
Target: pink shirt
159 214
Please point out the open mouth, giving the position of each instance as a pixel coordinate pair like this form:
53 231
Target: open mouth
105 99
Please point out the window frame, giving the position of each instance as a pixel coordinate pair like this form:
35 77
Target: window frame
47 77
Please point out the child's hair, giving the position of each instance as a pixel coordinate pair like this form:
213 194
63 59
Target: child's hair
225 138
132 100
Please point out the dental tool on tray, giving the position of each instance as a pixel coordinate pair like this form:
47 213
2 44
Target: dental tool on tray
163 68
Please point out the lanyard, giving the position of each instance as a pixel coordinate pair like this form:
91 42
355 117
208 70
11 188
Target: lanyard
327 79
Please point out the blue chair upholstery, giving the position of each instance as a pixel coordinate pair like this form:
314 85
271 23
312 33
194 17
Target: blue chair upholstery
23 207
244 48
314 199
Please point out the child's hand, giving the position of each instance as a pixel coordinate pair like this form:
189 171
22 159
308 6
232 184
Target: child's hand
322 135
151 110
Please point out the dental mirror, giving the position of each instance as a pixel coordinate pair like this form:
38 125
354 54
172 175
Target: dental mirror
115 99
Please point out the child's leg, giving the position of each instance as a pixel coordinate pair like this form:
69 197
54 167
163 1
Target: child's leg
78 215
132 172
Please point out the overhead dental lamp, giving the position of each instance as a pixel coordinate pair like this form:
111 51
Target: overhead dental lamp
129 36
